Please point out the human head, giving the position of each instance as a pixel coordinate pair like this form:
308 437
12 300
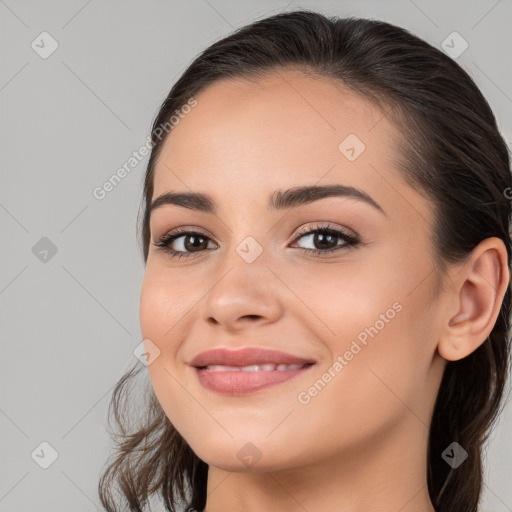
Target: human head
449 150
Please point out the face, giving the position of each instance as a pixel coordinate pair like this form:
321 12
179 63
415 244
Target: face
344 282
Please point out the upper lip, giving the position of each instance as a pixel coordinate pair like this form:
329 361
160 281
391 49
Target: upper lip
245 357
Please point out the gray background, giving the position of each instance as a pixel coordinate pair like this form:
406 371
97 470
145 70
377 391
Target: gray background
69 324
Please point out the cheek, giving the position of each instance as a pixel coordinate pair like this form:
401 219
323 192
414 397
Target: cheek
378 382
164 303
344 301
379 328
163 320
169 301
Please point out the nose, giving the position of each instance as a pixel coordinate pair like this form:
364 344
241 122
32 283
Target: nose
244 297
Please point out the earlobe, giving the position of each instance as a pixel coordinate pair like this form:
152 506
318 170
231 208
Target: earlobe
478 290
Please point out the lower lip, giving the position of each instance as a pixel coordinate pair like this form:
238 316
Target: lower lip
241 383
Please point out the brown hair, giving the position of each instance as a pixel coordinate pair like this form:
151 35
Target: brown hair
451 150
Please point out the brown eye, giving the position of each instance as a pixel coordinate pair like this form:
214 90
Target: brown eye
193 243
183 243
324 239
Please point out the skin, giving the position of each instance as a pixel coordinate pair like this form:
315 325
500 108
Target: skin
360 444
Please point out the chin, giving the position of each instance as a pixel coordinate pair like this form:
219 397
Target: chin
240 454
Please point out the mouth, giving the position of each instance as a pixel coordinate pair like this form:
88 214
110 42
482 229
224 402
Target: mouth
266 367
238 372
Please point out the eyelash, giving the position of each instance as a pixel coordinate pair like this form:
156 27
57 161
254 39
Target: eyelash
350 240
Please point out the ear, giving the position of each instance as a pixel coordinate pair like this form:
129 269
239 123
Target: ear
478 288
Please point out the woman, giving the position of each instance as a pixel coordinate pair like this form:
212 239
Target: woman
326 300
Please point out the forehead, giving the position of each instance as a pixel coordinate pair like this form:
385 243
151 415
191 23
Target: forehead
256 136
288 110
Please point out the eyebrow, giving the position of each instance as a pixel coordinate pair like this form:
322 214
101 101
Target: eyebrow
279 200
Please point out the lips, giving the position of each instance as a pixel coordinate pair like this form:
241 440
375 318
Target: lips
246 357
238 372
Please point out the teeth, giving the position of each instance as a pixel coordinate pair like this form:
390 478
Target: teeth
268 367
220 368
289 366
